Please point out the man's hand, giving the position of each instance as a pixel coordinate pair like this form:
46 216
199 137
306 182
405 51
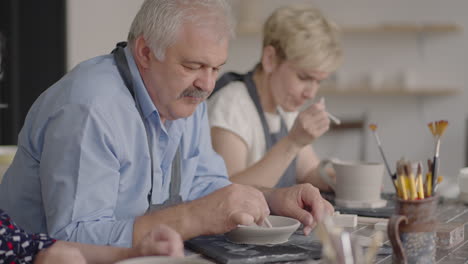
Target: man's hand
228 207
60 252
216 213
162 240
302 202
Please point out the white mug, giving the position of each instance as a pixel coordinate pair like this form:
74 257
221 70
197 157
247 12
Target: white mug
463 184
358 184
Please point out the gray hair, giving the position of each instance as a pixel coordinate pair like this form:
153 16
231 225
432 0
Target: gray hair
159 21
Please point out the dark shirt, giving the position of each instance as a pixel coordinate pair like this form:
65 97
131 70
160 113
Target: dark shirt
17 246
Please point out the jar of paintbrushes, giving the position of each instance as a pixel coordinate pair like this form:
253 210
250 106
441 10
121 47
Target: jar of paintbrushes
411 229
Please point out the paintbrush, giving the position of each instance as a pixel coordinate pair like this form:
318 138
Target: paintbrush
419 182
401 180
429 178
411 181
393 176
437 129
333 118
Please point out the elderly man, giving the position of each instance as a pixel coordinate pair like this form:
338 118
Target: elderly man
121 143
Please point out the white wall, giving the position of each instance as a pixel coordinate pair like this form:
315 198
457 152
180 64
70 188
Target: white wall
440 59
95 26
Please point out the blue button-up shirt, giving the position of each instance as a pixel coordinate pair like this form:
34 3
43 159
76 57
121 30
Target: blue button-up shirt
82 171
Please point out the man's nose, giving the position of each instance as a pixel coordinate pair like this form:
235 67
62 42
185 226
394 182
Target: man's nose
206 79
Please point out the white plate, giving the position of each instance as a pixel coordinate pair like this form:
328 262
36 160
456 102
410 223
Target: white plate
165 260
283 228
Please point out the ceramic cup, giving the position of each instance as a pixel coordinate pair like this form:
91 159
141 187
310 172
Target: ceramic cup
357 185
412 231
463 184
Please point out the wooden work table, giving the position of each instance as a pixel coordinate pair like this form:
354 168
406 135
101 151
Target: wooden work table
450 211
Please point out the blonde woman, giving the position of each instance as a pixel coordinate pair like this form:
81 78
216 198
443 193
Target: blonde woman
254 118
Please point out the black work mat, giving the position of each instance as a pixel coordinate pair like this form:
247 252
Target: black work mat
383 212
224 251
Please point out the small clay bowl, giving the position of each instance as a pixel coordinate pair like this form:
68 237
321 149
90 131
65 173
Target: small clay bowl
283 228
163 260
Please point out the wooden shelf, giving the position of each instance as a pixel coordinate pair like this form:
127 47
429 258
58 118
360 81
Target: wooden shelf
250 28
404 28
347 125
421 91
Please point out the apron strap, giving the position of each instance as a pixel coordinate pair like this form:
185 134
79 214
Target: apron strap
174 189
248 81
122 66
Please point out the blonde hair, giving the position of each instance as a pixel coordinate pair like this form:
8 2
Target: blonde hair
304 35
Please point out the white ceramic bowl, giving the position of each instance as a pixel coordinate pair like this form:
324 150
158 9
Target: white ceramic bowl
163 260
283 228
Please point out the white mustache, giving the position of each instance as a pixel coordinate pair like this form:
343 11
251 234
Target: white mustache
197 93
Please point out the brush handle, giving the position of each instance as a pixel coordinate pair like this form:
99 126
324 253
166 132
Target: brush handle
385 161
379 145
435 169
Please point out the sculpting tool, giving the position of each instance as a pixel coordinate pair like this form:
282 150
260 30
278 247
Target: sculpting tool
334 119
267 223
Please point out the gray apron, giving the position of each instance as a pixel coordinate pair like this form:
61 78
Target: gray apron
289 176
174 188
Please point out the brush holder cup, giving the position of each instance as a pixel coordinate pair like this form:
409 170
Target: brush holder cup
412 231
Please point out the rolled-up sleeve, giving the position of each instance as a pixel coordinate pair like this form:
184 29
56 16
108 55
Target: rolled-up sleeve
79 172
211 173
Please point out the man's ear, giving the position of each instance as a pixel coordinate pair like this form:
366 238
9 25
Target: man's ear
142 52
269 59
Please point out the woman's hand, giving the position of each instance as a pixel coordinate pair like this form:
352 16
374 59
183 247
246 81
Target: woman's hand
162 240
